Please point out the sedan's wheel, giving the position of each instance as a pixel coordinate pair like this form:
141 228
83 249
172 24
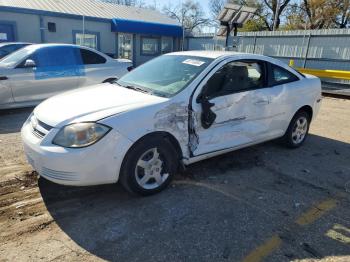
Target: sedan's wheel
149 166
298 130
150 171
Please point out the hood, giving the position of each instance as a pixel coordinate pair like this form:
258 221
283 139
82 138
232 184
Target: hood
3 67
91 104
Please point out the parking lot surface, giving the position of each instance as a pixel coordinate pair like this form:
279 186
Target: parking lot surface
260 203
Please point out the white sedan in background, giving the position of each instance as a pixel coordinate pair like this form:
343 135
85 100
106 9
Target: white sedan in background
37 72
172 111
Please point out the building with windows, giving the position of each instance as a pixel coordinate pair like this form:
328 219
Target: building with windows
120 31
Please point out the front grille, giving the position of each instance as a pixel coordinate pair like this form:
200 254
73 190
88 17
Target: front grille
37 133
45 126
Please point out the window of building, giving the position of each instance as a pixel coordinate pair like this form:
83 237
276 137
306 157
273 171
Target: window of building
150 46
125 46
282 76
87 39
167 45
91 58
51 27
238 76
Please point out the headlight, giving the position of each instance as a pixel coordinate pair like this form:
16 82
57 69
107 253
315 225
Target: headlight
80 134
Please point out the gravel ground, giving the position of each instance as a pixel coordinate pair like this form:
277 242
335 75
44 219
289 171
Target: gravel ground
263 202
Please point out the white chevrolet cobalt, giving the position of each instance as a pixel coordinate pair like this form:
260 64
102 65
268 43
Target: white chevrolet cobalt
172 111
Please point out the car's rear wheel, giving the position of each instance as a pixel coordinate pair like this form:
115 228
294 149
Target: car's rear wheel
149 166
298 130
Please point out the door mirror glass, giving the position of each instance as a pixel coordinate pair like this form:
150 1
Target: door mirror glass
29 63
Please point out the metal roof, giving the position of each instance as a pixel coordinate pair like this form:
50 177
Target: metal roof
90 8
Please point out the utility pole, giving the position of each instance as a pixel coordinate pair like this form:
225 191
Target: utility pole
83 31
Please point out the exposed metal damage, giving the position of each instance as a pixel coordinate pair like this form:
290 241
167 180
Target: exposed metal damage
178 119
193 140
174 119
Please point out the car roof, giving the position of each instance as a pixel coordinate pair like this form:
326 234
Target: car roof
38 46
14 43
218 54
208 54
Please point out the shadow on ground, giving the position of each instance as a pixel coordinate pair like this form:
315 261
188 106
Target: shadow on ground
219 209
13 119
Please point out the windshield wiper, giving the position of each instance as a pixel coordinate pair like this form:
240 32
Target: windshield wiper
136 88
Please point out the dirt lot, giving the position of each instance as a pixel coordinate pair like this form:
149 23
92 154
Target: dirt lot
264 202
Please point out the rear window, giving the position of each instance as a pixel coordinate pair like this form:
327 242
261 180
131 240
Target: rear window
91 58
282 76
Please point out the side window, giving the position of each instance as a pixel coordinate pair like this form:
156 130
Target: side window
281 76
238 76
91 58
55 56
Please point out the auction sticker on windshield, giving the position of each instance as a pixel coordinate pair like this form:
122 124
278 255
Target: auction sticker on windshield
193 62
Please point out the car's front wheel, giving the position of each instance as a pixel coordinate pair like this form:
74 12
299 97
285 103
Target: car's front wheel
149 166
298 130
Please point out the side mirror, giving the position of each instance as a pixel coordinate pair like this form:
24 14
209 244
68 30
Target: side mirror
208 116
130 68
29 63
202 98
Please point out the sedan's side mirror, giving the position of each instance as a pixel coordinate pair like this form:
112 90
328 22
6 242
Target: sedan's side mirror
29 63
208 116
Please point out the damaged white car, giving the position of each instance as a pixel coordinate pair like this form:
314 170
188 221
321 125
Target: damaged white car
176 109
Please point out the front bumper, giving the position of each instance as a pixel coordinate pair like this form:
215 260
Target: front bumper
97 164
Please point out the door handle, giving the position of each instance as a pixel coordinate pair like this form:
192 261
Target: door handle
3 78
239 118
261 102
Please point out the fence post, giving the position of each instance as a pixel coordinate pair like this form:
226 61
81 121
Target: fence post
255 42
307 50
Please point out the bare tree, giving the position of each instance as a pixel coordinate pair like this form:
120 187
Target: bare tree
271 10
190 14
343 18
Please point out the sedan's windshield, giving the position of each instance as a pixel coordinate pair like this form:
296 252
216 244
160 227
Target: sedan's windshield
166 75
14 58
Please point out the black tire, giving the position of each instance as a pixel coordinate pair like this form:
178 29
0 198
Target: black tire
288 139
167 154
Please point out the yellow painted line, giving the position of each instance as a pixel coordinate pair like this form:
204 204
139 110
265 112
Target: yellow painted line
306 218
264 250
316 212
339 233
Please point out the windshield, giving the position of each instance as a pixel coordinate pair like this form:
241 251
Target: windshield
14 58
166 75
